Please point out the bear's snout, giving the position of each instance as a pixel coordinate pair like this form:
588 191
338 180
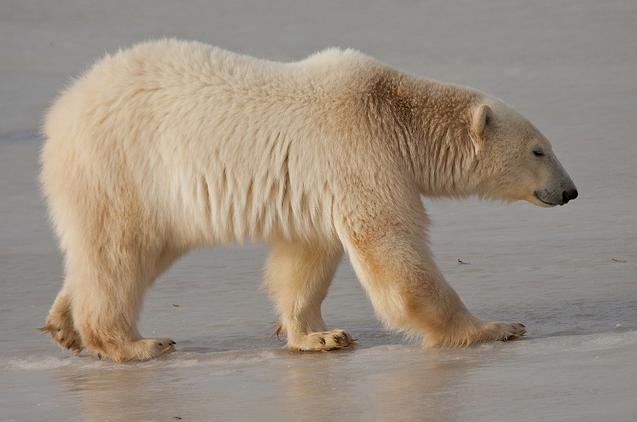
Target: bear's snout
567 195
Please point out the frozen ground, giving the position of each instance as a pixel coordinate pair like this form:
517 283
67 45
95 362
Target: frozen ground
569 273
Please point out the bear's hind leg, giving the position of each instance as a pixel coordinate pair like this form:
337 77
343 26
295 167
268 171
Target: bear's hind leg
108 274
106 306
59 323
298 276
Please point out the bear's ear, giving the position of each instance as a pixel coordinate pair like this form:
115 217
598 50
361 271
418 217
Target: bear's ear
482 114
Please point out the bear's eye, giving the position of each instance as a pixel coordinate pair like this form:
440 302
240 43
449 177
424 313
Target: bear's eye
538 153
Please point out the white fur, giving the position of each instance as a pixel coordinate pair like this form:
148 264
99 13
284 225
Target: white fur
172 144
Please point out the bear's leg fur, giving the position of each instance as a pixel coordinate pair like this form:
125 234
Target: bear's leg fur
298 275
59 323
113 252
107 292
394 264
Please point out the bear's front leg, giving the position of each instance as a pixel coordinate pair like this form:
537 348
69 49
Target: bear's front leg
394 264
298 274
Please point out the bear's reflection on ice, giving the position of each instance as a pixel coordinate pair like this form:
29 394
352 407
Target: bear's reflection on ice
380 383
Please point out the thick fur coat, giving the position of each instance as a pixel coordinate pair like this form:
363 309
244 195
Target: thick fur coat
171 145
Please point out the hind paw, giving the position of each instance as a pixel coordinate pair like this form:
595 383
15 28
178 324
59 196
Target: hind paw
322 341
64 335
139 350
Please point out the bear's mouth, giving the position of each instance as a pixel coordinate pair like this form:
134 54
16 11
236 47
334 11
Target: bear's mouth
548 204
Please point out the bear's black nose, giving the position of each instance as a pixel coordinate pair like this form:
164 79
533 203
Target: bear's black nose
567 195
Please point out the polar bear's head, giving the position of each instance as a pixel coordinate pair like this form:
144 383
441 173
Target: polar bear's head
514 160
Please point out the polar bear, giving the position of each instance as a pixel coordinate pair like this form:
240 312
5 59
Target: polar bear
171 145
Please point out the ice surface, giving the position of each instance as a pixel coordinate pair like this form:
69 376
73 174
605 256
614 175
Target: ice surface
568 273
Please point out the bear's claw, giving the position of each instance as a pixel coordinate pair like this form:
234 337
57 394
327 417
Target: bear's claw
67 338
323 341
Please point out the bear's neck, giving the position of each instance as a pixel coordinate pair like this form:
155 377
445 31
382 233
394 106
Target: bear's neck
433 138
